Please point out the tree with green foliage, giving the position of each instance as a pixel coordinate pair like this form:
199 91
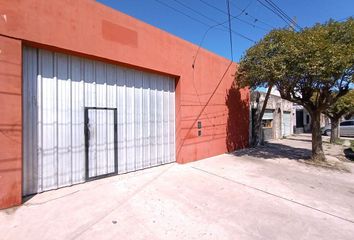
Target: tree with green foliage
344 106
313 68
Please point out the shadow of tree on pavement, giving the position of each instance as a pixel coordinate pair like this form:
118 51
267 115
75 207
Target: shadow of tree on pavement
276 150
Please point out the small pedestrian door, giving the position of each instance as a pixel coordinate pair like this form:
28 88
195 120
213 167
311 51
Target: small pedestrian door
100 142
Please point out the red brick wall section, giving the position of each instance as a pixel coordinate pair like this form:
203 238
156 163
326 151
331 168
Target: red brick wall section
10 122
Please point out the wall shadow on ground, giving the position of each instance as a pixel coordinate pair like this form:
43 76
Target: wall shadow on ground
276 150
237 134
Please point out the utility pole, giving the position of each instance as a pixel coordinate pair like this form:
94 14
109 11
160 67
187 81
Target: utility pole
292 24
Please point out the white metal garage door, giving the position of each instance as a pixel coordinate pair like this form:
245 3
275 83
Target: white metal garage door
286 129
84 119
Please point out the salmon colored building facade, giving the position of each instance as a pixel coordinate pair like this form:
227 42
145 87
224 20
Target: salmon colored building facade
211 113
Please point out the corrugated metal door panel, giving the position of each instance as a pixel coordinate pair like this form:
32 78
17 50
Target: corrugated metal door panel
122 120
37 124
90 83
58 87
31 175
77 120
101 143
165 132
49 146
101 119
172 120
112 103
64 167
286 123
159 119
146 121
138 120
130 157
92 161
153 121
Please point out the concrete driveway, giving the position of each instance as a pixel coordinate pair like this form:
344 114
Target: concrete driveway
240 196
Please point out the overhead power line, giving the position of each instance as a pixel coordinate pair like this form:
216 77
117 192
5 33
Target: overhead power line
203 23
255 19
236 17
179 11
230 29
275 6
195 11
276 12
205 16
207 31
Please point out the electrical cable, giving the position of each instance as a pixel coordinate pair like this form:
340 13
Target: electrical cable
211 19
238 18
280 15
196 55
277 8
222 77
179 11
276 13
255 19
193 10
230 29
284 14
210 28
201 22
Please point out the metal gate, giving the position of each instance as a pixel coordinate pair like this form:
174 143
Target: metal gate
57 88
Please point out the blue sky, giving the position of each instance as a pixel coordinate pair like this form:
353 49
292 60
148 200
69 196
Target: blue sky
259 19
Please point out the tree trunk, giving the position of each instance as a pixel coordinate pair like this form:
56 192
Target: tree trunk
317 149
257 131
334 130
257 138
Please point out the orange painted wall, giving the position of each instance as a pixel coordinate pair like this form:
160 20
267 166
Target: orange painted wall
10 122
88 28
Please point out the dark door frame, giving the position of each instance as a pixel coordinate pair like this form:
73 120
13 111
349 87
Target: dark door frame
87 178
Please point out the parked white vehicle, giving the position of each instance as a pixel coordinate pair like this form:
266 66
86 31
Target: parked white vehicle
346 129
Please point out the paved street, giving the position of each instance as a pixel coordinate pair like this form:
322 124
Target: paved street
252 194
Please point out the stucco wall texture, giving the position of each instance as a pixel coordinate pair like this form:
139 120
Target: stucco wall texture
10 122
86 28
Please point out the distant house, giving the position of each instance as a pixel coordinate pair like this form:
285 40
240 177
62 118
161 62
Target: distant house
302 119
277 120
